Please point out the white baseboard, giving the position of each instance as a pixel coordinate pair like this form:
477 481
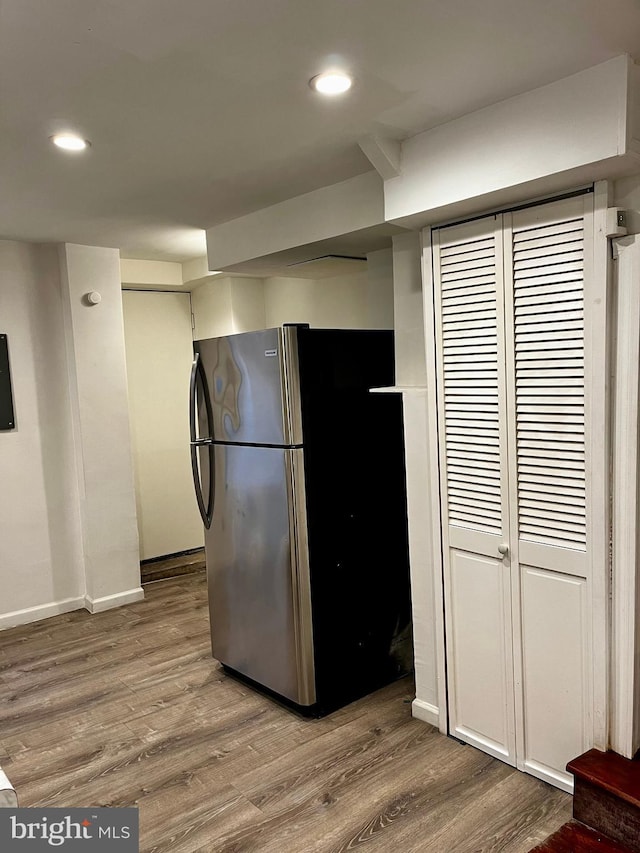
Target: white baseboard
106 602
426 712
55 608
41 611
557 778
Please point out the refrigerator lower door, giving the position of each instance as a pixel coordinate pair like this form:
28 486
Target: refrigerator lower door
258 570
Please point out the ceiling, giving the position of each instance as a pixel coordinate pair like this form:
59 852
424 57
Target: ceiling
199 110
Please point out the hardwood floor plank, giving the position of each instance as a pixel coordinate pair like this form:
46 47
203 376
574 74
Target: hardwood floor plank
214 815
128 708
333 818
328 761
507 816
171 567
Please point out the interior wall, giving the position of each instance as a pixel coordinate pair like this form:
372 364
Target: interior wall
380 299
102 439
212 312
41 570
574 130
339 302
626 195
233 304
332 211
411 366
227 305
247 304
411 375
159 353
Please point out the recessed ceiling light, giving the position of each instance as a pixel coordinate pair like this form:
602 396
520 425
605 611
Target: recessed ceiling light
331 83
70 142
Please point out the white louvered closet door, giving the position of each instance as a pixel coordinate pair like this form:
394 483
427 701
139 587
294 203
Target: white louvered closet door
468 298
547 276
513 415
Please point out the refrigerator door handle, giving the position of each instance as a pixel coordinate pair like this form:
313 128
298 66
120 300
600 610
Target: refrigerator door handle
206 509
192 397
206 512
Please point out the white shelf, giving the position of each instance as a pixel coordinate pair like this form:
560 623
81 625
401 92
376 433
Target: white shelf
419 390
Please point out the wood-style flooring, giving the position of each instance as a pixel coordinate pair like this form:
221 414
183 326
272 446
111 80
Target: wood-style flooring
128 708
172 567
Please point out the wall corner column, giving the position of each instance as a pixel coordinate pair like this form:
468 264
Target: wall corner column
411 379
98 390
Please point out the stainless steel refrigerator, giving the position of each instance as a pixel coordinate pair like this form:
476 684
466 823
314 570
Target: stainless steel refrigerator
299 478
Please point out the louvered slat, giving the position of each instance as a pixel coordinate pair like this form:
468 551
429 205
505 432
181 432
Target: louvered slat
532 499
463 247
552 258
561 296
566 277
469 350
555 231
553 512
468 295
466 497
549 382
540 249
551 367
553 448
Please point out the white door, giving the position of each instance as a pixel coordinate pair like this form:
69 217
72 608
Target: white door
509 295
469 291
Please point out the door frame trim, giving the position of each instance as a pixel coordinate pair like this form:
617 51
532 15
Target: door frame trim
600 332
434 476
625 645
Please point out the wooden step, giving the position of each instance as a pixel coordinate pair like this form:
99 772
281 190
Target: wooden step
607 795
574 837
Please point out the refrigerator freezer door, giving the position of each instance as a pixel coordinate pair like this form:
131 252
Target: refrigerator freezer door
252 380
258 573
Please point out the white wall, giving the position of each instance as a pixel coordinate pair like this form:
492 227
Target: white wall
247 304
159 353
570 132
362 300
626 195
411 375
211 306
339 302
99 405
380 299
67 516
408 310
227 305
332 211
41 569
152 274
